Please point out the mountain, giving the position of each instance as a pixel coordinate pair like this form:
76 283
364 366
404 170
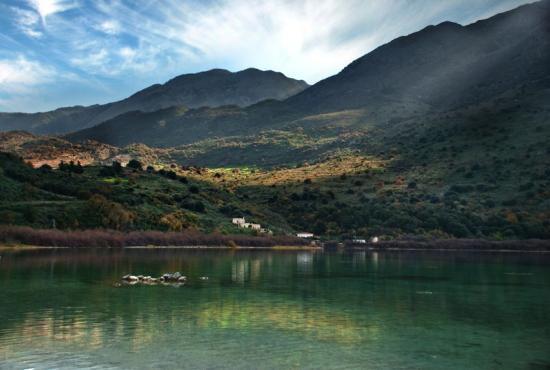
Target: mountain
442 68
217 87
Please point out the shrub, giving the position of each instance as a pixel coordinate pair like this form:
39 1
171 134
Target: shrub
110 238
111 171
461 188
526 186
45 168
197 206
173 221
109 214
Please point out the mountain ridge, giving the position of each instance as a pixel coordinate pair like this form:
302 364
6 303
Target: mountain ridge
215 87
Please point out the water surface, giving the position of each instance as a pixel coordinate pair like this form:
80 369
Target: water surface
64 309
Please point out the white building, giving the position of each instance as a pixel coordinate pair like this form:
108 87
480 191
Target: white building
252 226
239 221
374 239
305 235
359 241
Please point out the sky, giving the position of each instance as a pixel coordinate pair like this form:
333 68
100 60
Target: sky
56 53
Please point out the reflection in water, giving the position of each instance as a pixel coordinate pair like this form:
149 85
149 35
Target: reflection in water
61 309
304 262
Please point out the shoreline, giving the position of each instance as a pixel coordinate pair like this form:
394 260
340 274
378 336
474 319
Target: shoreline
466 245
19 237
24 247
405 249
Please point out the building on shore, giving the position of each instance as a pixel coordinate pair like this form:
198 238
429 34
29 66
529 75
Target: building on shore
241 222
305 235
248 225
238 221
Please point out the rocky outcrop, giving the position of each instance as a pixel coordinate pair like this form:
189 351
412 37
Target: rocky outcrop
175 278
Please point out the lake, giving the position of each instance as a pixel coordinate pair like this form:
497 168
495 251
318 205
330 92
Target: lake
66 309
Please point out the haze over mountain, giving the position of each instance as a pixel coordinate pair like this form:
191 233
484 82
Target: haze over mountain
440 68
212 88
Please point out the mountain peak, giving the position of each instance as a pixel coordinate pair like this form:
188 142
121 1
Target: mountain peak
213 88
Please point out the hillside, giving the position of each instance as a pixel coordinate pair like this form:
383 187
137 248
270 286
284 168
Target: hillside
212 88
340 197
120 198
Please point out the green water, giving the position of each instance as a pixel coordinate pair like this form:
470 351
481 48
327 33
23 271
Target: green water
63 309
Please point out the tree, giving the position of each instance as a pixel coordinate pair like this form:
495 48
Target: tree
178 220
320 228
197 206
135 164
45 168
109 214
172 221
117 167
71 167
114 170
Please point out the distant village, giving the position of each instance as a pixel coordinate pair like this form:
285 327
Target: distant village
241 222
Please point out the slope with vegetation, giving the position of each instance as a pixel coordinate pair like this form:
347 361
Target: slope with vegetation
115 197
339 197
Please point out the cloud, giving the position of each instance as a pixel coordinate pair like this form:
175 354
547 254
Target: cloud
115 62
127 53
27 21
30 21
95 59
18 76
110 27
310 39
49 7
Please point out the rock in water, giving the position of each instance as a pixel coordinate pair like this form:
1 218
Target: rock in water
130 278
